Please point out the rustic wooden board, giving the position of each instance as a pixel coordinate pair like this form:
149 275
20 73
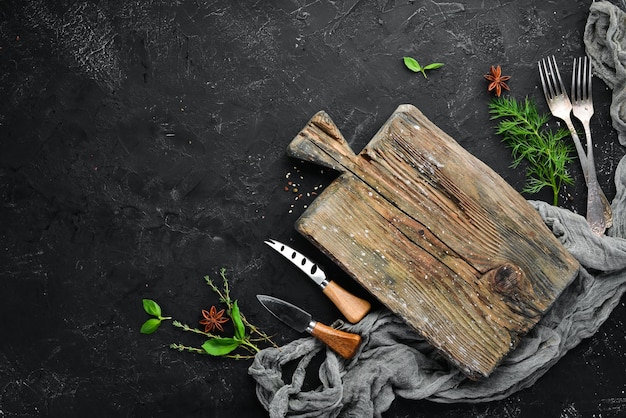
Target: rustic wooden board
435 235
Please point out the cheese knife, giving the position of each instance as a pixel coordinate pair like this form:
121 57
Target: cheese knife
343 343
352 307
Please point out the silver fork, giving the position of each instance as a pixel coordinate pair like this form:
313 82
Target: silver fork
561 107
582 107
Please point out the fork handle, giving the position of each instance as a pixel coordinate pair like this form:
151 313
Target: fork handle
595 205
582 155
584 163
586 158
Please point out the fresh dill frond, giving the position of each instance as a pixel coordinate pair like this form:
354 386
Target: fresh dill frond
525 131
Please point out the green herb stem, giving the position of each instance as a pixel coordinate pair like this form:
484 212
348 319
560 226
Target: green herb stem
181 347
187 328
195 350
525 131
215 345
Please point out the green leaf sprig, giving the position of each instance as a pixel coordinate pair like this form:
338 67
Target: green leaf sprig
215 345
525 131
153 309
413 65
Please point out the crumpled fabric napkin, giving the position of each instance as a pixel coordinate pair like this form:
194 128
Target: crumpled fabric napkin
393 360
605 43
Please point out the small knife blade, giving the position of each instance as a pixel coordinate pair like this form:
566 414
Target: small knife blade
343 343
352 307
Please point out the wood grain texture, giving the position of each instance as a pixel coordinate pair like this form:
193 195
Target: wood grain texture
343 343
352 307
435 235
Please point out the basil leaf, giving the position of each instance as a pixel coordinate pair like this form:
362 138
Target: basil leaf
412 64
150 326
433 66
240 329
152 308
220 346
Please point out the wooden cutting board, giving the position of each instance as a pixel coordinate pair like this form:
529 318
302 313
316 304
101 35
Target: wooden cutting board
435 235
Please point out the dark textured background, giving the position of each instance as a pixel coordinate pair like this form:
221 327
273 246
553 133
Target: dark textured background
142 147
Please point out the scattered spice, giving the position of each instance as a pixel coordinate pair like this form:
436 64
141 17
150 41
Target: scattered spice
296 188
213 319
497 80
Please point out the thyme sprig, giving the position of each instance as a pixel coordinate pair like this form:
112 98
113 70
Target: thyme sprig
526 132
215 345
225 298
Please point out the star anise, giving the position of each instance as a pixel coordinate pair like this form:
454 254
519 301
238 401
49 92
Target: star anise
497 80
213 319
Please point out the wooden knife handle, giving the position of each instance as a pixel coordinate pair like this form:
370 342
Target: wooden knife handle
352 307
343 343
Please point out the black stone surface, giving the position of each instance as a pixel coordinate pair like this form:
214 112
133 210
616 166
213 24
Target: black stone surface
142 147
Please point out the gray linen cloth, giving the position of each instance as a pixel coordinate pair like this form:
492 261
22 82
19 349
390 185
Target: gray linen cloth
605 41
395 361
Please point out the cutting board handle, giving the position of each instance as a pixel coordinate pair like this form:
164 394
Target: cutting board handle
320 142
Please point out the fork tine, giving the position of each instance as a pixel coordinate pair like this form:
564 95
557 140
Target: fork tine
543 79
549 76
550 79
546 82
589 78
581 79
575 81
558 75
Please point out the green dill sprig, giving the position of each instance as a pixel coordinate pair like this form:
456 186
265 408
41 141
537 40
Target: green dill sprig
526 132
